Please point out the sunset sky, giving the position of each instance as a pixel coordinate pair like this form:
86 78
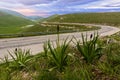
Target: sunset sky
49 7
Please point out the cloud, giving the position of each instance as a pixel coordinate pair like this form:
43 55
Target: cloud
8 1
28 2
101 4
34 2
50 7
25 11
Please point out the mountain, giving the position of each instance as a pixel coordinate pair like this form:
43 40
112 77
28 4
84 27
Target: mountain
21 15
11 22
12 12
34 17
109 18
49 18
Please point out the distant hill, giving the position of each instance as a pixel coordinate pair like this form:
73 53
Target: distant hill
109 18
7 20
49 18
34 17
12 12
12 23
20 15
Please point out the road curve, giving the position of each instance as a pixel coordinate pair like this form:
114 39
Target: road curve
35 44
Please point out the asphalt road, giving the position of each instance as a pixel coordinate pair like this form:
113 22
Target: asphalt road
35 44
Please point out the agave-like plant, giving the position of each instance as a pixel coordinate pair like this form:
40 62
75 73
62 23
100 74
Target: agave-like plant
5 60
59 55
45 47
20 58
90 50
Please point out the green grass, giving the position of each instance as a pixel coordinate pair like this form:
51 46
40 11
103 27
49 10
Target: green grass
39 29
90 50
12 24
109 18
66 62
63 27
115 36
21 58
9 30
48 18
46 65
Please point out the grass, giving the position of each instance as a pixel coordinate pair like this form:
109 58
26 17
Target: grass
90 50
12 24
58 55
49 65
115 36
21 58
40 29
97 59
52 28
48 18
9 30
108 18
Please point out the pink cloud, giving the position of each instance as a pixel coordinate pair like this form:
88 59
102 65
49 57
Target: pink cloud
25 11
31 12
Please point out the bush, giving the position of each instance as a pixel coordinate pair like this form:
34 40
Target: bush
20 58
90 50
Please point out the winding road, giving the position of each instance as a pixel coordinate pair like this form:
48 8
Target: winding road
35 44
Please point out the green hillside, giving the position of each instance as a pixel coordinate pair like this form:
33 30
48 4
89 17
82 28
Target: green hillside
109 18
12 24
48 18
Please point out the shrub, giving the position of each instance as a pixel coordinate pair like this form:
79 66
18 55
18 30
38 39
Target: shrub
58 55
20 58
90 50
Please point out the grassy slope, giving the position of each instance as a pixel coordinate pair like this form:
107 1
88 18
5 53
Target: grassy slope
112 18
53 18
48 18
11 23
62 28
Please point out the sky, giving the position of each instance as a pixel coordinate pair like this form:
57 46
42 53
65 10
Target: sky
47 8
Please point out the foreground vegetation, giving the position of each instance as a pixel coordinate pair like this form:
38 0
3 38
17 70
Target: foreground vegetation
96 59
108 18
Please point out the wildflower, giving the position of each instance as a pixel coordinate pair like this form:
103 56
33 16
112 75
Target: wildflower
15 49
91 36
109 40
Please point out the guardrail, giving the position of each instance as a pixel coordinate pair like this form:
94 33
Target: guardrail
33 33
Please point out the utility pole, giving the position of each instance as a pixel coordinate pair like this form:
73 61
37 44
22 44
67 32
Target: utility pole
58 28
